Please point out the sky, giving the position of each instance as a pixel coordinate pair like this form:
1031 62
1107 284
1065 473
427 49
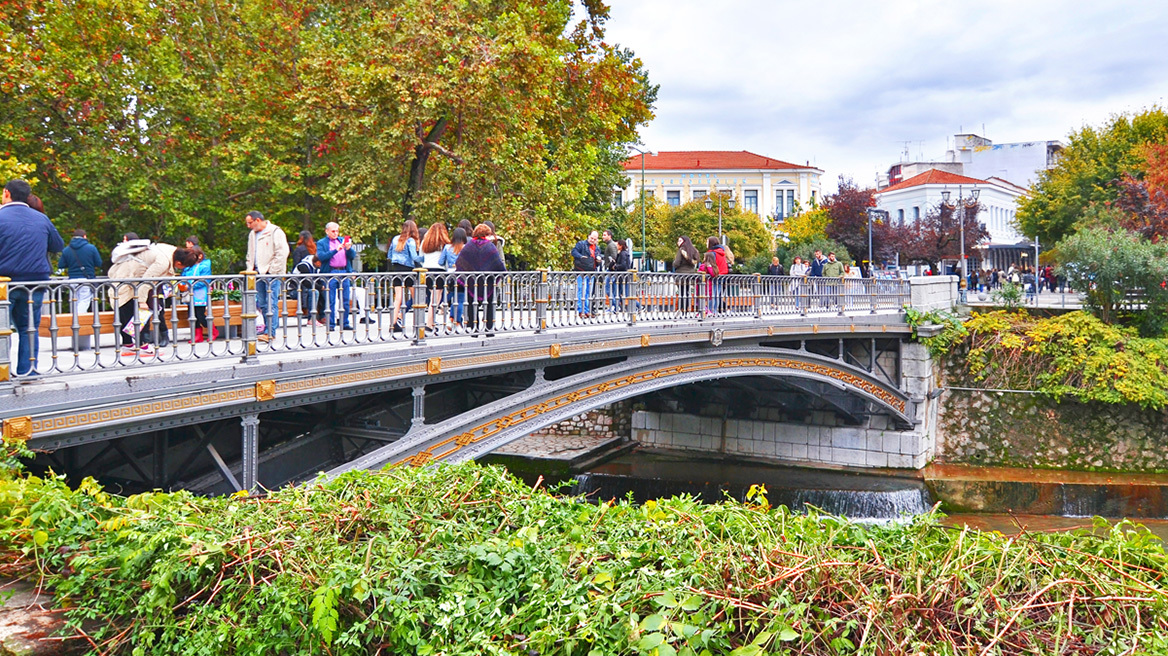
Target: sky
848 85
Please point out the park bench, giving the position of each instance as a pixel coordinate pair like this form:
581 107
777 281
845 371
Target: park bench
106 324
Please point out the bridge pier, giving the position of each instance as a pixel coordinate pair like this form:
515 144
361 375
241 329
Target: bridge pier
419 417
250 454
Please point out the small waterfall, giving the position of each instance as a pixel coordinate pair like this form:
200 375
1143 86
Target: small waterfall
853 504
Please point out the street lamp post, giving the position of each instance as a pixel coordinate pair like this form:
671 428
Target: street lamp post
644 253
884 215
710 206
964 203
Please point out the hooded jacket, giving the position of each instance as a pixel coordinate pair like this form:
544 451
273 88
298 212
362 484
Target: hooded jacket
138 258
80 258
25 236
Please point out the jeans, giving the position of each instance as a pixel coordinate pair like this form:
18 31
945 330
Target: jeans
26 322
344 286
715 304
268 303
584 294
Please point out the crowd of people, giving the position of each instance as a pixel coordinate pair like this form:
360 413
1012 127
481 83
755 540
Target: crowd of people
27 236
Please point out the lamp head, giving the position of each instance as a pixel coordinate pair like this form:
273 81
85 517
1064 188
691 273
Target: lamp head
709 203
945 196
730 203
974 194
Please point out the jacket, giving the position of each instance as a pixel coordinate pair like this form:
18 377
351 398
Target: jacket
624 261
324 254
135 259
816 267
833 269
683 263
199 288
775 270
584 258
80 258
267 251
610 255
26 236
407 256
479 255
720 257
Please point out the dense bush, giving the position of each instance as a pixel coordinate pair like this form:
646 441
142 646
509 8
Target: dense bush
467 560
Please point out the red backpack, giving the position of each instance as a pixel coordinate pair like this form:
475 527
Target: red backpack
720 258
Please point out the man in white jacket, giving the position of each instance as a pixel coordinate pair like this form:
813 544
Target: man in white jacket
267 255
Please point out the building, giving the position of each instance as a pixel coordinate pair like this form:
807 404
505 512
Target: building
913 198
769 187
977 157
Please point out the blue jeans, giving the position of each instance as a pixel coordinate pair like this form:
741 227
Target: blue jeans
268 303
715 304
344 285
28 342
584 294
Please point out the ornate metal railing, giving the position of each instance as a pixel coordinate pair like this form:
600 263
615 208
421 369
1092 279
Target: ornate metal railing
100 325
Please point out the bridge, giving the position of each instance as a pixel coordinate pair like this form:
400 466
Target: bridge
508 354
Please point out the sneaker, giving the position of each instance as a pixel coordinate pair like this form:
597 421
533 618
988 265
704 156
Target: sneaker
146 351
397 328
319 324
263 337
366 320
129 351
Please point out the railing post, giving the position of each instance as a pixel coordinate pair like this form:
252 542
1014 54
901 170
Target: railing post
806 289
702 294
634 293
420 304
542 290
872 285
247 316
841 294
5 334
758 296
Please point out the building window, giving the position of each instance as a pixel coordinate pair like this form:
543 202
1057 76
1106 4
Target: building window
900 216
617 198
813 197
750 200
784 203
790 202
916 214
699 194
647 194
673 198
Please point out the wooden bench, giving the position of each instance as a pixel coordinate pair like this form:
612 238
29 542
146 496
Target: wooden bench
106 323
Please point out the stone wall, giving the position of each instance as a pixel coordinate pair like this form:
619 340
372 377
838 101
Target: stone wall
1027 430
614 420
934 292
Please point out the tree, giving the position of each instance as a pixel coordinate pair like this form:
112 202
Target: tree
806 250
933 238
745 232
848 209
178 117
1087 172
806 227
1143 199
1111 265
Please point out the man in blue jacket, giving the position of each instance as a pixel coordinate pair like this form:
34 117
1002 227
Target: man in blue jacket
26 239
81 260
336 255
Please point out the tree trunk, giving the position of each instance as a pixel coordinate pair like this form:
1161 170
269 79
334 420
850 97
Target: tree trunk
418 166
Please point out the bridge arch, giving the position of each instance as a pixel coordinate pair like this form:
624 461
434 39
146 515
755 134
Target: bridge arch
477 432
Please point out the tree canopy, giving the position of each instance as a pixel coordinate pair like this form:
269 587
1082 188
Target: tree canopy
1088 172
745 232
176 118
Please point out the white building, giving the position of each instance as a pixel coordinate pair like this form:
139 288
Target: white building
915 197
769 187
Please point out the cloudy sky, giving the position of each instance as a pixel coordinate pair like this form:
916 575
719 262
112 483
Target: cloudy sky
846 83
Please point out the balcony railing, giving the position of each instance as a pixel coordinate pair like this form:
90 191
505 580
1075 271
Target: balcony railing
103 325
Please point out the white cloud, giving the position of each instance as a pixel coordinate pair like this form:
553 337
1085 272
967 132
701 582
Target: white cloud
846 84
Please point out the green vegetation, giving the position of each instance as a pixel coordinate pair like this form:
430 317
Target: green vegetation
1116 267
664 223
1071 355
176 118
467 560
952 331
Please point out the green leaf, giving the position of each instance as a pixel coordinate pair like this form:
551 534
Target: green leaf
40 538
650 641
787 634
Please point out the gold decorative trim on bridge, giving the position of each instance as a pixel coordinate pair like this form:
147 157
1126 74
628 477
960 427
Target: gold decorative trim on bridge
489 429
644 341
17 429
349 378
265 390
136 410
434 366
554 351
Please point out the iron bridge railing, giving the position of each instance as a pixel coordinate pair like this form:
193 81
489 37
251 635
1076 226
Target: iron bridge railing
102 325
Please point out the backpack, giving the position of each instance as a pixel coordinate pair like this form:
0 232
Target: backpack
1015 278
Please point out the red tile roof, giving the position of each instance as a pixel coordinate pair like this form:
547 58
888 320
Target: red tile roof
933 176
708 159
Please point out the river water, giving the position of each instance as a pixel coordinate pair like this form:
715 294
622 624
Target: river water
858 496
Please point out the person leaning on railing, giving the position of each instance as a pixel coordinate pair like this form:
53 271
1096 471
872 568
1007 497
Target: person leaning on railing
136 258
194 264
480 255
686 261
336 255
403 259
